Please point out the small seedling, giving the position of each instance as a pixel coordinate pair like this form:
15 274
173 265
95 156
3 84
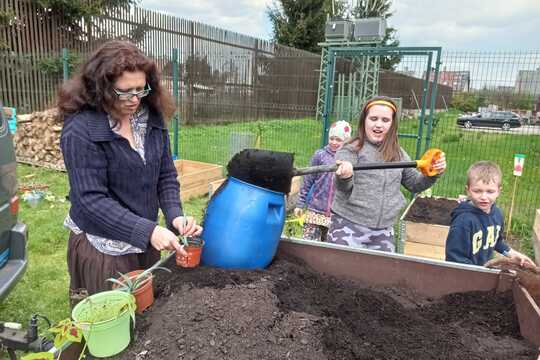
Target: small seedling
184 224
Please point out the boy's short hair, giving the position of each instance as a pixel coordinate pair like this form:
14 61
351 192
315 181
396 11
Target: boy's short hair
487 171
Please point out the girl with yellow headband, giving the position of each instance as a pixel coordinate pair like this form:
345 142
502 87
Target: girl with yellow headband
367 203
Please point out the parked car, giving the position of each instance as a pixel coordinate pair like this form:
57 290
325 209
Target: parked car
13 234
497 119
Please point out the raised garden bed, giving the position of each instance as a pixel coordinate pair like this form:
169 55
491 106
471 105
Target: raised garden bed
290 311
195 177
424 227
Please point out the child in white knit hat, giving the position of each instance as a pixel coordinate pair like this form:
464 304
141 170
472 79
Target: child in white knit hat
317 192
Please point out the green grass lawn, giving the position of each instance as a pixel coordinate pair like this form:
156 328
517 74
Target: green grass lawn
216 143
44 287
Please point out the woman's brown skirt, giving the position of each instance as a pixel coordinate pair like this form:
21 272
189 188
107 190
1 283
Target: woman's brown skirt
89 269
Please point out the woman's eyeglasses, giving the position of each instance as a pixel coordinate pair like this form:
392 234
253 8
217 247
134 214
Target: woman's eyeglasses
128 95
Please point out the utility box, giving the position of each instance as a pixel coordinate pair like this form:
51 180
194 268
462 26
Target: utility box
338 30
369 29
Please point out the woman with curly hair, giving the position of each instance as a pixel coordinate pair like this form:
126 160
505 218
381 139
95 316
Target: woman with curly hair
121 172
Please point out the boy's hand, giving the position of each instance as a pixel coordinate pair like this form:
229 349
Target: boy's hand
298 212
344 170
523 259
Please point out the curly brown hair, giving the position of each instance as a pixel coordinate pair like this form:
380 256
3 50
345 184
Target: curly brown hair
389 149
93 87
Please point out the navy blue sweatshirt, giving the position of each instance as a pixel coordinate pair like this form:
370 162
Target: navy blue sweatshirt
474 235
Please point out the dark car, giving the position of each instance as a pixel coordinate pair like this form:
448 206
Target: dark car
13 234
495 119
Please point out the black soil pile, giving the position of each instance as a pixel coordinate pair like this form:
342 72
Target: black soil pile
291 312
431 211
271 170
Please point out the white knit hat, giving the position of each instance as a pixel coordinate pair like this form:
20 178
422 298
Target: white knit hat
341 129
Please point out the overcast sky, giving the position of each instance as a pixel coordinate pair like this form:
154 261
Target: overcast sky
452 24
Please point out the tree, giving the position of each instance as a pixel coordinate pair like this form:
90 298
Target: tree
465 101
300 23
76 17
72 11
7 17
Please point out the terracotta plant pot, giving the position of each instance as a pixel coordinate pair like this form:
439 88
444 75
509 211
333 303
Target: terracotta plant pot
144 294
194 250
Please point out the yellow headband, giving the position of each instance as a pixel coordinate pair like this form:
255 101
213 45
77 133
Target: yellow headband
381 102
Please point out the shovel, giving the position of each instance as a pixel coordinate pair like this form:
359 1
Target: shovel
425 165
274 170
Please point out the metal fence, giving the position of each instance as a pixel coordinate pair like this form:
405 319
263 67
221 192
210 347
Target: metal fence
236 91
488 82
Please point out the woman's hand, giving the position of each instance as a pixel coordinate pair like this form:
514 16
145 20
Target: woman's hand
344 170
187 226
298 212
440 164
164 239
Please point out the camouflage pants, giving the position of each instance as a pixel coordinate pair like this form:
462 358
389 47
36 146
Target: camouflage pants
314 232
345 232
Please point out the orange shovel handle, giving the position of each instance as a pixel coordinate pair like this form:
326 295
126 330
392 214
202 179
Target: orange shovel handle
425 164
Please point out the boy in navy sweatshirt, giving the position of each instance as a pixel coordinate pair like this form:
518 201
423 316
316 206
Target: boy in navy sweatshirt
477 225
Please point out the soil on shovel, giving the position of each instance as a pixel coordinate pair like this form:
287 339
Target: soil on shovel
291 312
271 170
431 211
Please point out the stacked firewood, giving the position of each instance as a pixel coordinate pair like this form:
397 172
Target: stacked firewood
37 139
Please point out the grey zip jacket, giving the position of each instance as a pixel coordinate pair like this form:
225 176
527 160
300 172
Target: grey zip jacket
373 198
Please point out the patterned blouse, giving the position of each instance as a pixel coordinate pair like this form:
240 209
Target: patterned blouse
139 122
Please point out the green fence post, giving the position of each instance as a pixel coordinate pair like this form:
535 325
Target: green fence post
433 101
176 102
65 64
422 114
329 101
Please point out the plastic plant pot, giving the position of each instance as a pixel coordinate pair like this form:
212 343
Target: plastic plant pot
104 319
144 293
193 257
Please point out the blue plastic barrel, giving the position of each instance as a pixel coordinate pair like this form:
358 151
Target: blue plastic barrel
242 226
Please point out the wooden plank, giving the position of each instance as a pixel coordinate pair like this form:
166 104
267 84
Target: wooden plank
424 250
186 194
41 86
33 86
18 84
214 185
426 233
184 166
200 178
536 237
536 226
528 314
